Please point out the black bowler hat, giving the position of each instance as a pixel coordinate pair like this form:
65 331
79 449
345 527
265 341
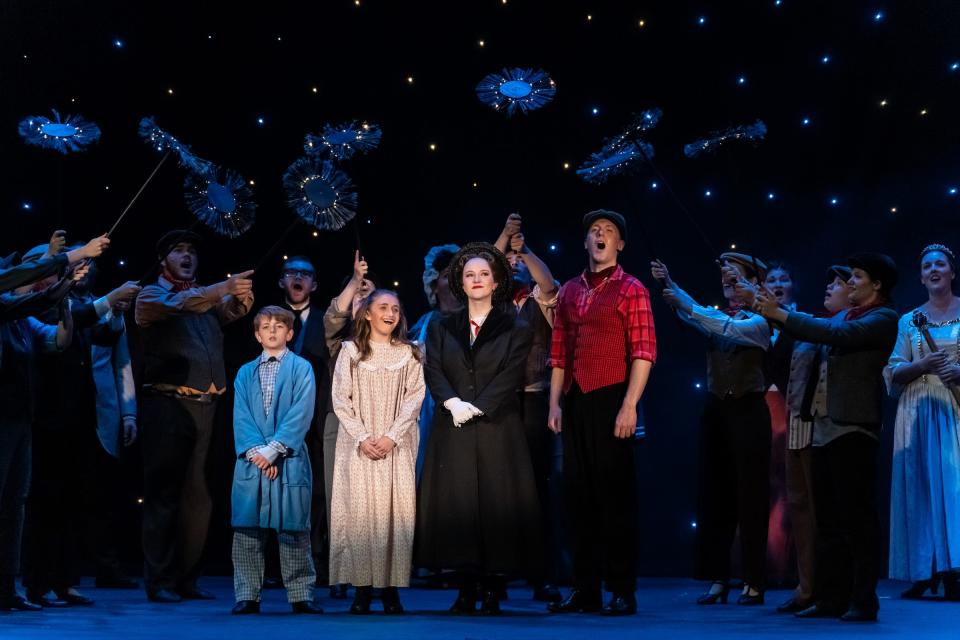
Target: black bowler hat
878 266
174 237
605 214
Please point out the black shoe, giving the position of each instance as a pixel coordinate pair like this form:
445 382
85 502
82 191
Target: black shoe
918 588
820 610
490 605
245 607
579 601
361 601
623 604
714 598
195 593
391 601
547 593
48 600
305 606
75 599
951 587
18 603
163 595
748 600
272 583
793 606
116 582
859 614
338 591
466 601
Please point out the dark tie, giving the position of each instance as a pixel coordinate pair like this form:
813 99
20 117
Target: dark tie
298 329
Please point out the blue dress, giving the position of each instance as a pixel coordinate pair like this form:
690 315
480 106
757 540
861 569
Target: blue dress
925 491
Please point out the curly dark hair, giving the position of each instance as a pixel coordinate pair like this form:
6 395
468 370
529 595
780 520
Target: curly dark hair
499 265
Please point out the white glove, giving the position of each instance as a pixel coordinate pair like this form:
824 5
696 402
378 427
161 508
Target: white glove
462 411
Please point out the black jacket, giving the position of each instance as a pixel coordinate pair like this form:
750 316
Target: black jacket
859 350
314 350
487 374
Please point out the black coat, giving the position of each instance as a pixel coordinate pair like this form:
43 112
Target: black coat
477 508
314 350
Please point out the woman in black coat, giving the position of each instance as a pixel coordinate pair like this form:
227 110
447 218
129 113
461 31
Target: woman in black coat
477 507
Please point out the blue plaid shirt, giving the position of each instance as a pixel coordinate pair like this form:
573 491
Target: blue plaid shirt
269 366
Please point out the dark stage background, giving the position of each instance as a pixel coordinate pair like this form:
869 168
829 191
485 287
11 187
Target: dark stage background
861 102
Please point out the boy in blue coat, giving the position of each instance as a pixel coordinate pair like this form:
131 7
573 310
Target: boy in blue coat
273 407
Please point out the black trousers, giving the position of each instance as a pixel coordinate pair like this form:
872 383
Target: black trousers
601 490
15 459
545 449
55 519
175 437
734 487
848 528
106 495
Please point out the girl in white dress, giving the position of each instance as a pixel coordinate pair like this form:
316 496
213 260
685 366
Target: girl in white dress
377 391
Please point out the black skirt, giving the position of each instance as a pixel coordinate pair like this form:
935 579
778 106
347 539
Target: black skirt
477 508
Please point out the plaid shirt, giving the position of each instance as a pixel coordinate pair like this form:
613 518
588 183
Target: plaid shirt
269 366
598 332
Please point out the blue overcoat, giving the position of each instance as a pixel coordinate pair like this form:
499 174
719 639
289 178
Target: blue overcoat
258 502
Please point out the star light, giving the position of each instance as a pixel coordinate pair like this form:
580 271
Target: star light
952 191
396 284
589 17
893 209
26 206
805 122
118 44
879 16
566 165
883 102
261 121
553 247
433 146
825 59
642 23
702 20
409 79
122 262
707 193
481 43
170 91
654 185
742 80
923 112
771 195
595 111
834 201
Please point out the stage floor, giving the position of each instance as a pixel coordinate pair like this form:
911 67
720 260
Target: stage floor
666 610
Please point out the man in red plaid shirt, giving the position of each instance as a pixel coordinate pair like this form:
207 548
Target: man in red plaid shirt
602 351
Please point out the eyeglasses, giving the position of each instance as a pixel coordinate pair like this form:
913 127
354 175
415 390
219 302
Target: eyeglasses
297 273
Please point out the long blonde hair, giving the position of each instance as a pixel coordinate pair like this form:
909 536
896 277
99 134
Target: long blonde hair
361 326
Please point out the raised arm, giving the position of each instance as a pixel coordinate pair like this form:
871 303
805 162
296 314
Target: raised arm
876 329
155 304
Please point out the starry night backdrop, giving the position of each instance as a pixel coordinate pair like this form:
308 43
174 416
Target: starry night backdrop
860 100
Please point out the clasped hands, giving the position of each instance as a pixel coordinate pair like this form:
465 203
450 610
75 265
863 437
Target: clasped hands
938 364
265 459
461 411
377 448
